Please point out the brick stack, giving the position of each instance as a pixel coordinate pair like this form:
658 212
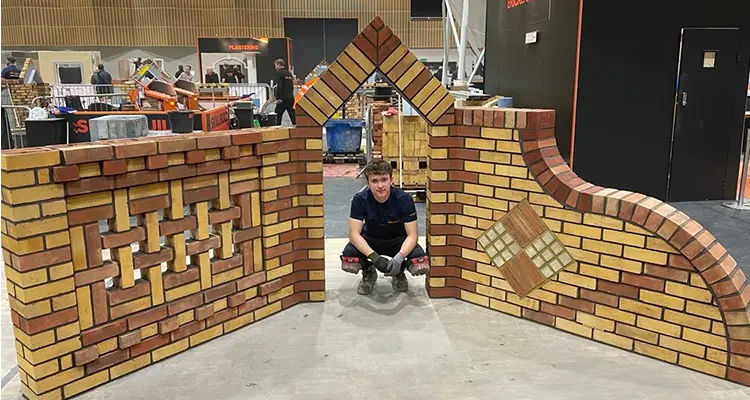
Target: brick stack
249 246
413 152
23 93
647 278
377 125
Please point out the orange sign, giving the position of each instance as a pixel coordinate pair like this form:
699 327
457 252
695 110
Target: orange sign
515 3
244 47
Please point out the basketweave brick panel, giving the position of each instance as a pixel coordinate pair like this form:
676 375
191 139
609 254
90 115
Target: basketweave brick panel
644 276
123 253
377 48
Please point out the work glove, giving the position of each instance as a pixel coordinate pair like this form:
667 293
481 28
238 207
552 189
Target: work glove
394 266
380 262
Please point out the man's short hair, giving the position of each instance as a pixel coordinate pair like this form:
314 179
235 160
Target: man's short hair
281 62
12 60
378 167
101 67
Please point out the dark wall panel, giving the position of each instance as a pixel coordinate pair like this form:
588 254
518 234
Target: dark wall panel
628 72
316 39
539 75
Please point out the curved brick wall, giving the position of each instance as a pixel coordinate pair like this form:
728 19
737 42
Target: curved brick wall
647 278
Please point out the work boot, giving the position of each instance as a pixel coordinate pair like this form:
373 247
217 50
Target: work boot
369 276
399 282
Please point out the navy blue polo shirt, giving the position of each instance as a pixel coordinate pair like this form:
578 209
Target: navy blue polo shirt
383 220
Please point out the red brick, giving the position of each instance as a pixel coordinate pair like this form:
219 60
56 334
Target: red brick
250 281
316 265
541 317
91 275
188 329
85 355
294 277
221 216
245 235
66 173
250 136
739 347
118 296
168 325
52 320
446 142
86 153
309 286
88 215
147 317
270 287
245 162
149 344
583 305
176 145
201 246
559 311
214 140
680 262
252 305
599 297
136 178
461 283
185 304
443 292
206 311
642 281
129 339
103 332
114 167
220 265
202 194
721 270
667 273
99 300
177 172
296 298
134 149
294 256
90 185
112 240
213 167
40 260
143 260
293 236
148 204
218 292
107 361
221 316
195 157
230 153
728 287
157 162
171 227
276 251
244 186
174 279
739 376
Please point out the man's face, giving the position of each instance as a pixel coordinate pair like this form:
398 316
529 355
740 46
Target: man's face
380 185
277 66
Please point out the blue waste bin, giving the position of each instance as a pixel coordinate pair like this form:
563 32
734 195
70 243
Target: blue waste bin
344 135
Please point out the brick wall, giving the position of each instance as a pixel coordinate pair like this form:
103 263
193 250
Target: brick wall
241 215
23 93
645 277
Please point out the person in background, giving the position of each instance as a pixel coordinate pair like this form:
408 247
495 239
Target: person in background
179 72
238 73
229 76
102 79
188 74
211 76
11 71
284 92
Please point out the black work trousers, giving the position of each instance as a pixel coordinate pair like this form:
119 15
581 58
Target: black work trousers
384 247
288 106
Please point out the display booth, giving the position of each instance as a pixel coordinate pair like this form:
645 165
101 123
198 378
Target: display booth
252 57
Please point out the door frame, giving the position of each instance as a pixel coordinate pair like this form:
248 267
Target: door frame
675 100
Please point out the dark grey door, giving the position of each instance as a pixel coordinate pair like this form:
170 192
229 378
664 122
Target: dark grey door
702 118
317 39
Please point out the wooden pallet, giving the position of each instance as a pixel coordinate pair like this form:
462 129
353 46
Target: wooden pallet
344 158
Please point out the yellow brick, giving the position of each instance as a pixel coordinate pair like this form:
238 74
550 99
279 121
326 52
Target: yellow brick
22 247
465 221
509 147
246 150
704 310
481 144
202 336
507 308
44 291
130 366
661 299
475 298
67 331
43 175
561 288
29 160
584 256
310 222
193 183
86 383
277 158
277 228
525 302
122 217
475 277
501 284
483 168
544 200
491 156
437 282
512 195
657 244
171 349
20 213
176 159
26 279
89 200
576 280
705 339
488 270
655 351
717 328
280 294
213 154
658 326
57 240
27 229
602 221
478 212
624 238
53 351
615 314
136 164
439 153
53 208
494 204
39 371
598 272
497 133
543 295
227 276
316 296
573 327
525 184
613 339
19 179
33 194
135 305
317 275
739 332
682 346
238 322
688 292
32 310
649 256
277 182
149 330
186 317
621 264
703 366
475 255
57 380
595 322
89 170
716 356
267 310
220 304
602 247
478 190
34 342
107 346
640 308
275 134
563 215
511 171
687 320
582 230
314 144
697 280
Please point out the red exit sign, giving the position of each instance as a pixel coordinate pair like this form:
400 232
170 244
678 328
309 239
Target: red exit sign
515 3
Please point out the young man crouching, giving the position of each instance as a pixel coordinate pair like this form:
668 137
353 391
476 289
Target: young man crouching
383 232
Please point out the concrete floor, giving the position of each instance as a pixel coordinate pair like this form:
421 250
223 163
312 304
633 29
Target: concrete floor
401 346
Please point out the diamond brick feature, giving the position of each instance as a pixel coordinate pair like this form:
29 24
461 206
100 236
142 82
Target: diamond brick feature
526 251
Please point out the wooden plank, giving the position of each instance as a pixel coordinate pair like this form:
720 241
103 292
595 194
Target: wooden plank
360 58
343 76
328 94
409 75
426 91
312 111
